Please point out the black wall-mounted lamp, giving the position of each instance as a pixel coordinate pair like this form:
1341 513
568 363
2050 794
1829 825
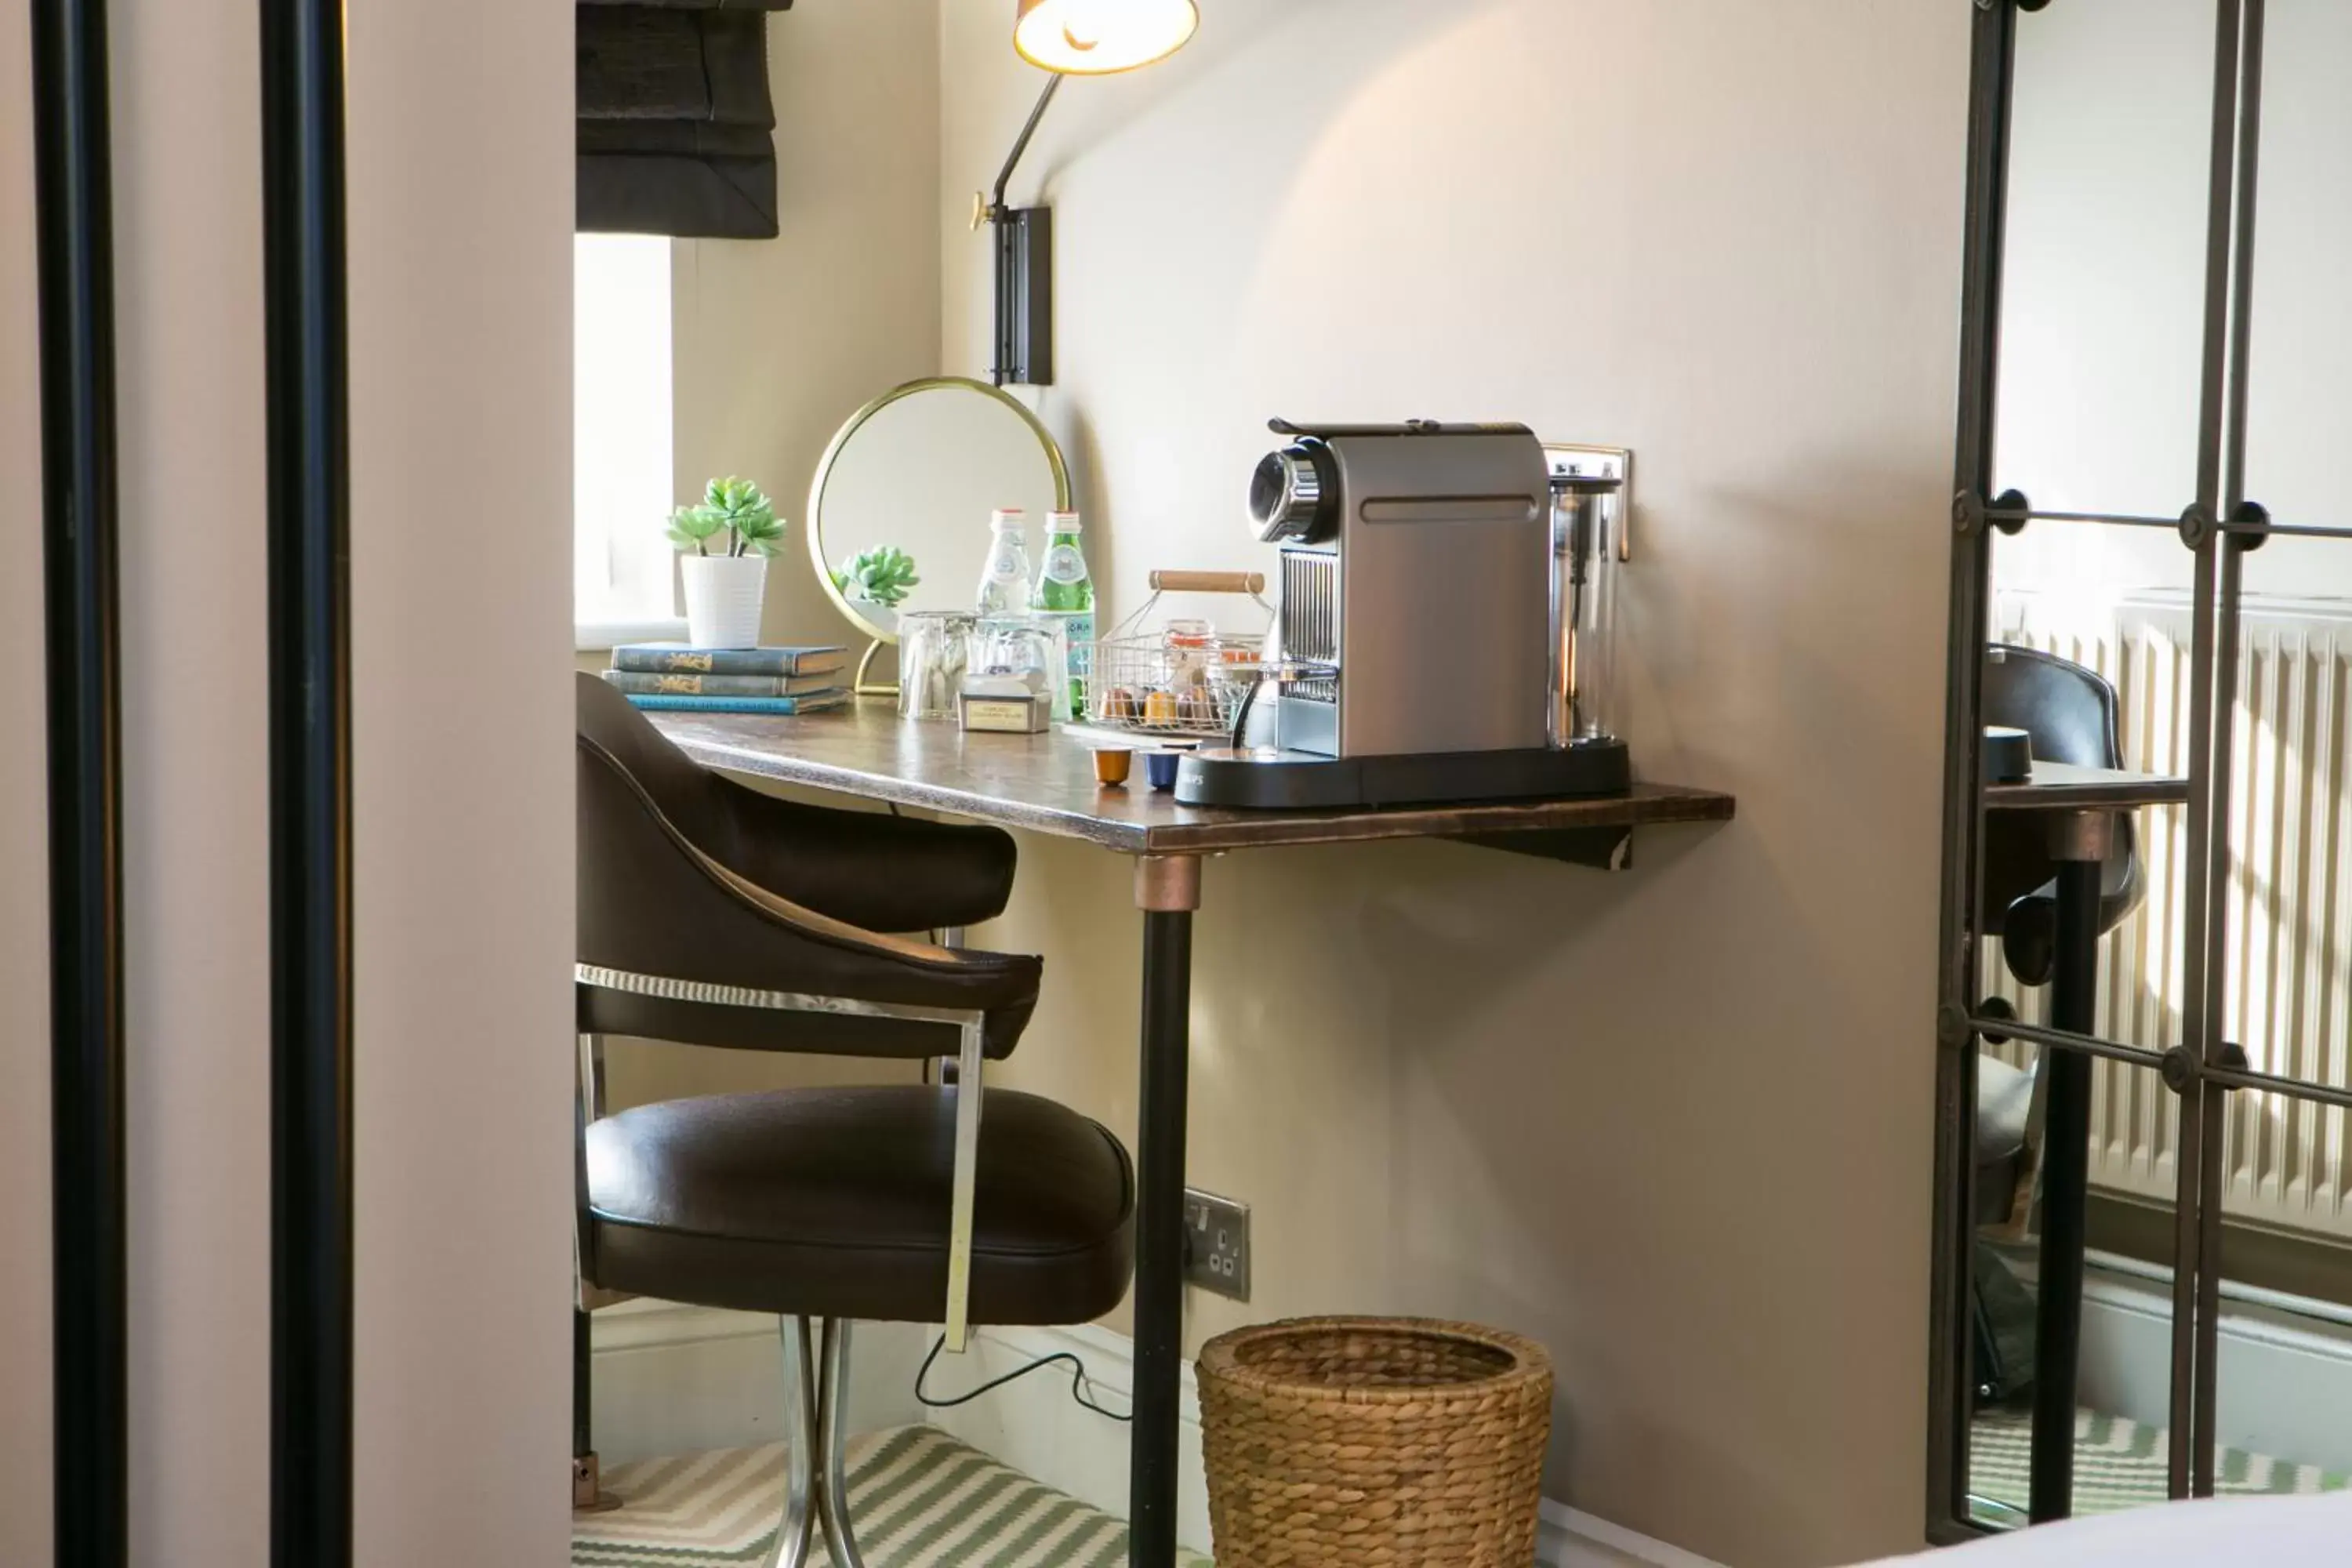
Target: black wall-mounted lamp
1068 37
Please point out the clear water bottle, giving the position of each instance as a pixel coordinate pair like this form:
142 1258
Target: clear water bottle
1005 580
1065 592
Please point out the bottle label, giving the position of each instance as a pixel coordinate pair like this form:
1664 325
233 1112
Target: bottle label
1063 563
1078 627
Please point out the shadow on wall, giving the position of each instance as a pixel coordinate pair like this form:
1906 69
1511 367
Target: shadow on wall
1395 1060
1541 1139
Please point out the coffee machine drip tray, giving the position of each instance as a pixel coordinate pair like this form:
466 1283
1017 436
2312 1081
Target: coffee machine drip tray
1268 780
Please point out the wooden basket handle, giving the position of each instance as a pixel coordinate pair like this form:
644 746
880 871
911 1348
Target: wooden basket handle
1207 582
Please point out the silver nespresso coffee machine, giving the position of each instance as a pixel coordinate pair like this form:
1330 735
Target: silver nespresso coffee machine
1442 626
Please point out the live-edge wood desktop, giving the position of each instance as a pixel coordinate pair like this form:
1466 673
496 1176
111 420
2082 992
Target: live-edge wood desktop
1045 784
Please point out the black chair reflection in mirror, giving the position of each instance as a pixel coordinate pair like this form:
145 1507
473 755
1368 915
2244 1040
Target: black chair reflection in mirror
711 914
2069 711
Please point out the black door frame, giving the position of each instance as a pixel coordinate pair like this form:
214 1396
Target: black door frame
302 47
73 203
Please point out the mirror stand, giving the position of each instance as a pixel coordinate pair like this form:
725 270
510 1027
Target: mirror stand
864 685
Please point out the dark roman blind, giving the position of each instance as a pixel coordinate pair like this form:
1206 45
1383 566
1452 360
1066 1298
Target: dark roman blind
676 129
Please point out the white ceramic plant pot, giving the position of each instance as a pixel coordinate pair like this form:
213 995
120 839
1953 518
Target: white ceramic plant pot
722 599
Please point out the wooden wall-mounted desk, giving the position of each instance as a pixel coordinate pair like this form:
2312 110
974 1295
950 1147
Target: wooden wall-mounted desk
1045 784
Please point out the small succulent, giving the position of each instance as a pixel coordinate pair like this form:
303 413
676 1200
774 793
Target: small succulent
734 508
878 576
691 528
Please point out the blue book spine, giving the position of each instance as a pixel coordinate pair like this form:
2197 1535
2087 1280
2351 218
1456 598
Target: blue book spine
644 683
812 702
677 659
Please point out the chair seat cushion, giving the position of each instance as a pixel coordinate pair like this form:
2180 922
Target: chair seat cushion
2004 1109
836 1202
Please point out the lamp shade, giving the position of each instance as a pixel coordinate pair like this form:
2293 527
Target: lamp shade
1096 37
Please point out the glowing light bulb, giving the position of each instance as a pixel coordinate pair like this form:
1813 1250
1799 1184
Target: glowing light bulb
1097 37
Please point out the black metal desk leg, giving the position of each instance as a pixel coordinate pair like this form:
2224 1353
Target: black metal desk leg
2082 842
1168 890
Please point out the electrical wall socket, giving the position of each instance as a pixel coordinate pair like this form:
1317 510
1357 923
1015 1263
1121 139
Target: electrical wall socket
1217 1244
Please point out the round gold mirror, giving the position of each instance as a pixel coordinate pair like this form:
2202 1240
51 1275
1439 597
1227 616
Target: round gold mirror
899 514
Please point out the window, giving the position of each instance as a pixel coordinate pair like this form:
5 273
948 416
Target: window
621 483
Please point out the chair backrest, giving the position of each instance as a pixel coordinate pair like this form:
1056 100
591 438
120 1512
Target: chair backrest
693 885
2069 711
682 789
2067 708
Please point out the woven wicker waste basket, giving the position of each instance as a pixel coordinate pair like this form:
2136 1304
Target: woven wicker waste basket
1374 1442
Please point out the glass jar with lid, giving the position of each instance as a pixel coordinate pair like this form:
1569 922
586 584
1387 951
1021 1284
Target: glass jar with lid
1191 651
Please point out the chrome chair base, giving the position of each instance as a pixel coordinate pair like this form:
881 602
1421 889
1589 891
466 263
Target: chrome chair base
816 1461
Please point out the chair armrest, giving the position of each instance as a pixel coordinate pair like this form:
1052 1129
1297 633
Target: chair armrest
654 905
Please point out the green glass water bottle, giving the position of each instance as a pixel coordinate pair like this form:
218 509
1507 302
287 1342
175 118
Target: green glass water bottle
1067 592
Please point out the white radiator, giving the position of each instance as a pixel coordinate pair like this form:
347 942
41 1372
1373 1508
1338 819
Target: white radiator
2289 975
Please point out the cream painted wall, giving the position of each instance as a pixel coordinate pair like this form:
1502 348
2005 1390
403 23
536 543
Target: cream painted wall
460 218
778 342
1676 1122
188 268
24 1475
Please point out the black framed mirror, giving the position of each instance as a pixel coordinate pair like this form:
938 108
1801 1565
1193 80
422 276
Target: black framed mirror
2142 1171
87 1181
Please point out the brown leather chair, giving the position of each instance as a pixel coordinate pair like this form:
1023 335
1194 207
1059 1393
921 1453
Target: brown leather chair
715 915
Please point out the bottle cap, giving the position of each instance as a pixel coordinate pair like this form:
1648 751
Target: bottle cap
1063 522
1008 515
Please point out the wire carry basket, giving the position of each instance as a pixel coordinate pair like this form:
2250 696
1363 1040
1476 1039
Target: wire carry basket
1186 679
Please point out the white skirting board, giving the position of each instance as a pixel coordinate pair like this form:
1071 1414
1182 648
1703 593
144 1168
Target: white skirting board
1035 1426
669 1379
2285 1377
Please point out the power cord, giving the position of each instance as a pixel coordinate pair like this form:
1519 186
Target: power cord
1081 1386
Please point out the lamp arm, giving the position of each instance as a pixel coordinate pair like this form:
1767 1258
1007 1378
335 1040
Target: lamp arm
1045 100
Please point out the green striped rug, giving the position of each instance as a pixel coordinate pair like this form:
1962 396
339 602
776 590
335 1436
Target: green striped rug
918 1500
2119 1465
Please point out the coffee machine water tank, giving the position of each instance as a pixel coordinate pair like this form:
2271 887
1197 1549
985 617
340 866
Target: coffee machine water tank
1587 516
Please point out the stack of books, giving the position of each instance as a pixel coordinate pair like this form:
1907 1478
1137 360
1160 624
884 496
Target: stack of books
674 677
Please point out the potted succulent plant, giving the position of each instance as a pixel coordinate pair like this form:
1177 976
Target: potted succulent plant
878 578
726 543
